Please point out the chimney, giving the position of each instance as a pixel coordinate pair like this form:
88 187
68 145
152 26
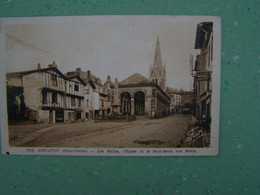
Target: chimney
39 66
53 65
78 70
88 74
108 78
116 82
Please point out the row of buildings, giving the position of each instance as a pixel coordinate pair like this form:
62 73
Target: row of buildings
181 100
46 95
202 72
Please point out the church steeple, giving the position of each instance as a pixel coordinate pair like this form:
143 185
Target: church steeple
158 70
157 56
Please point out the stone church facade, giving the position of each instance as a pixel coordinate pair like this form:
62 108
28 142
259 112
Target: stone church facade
138 95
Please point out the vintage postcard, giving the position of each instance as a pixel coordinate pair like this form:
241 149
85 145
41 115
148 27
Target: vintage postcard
110 85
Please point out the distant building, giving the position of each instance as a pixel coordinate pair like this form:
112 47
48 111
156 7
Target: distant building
175 106
186 98
187 101
203 70
89 99
109 87
96 106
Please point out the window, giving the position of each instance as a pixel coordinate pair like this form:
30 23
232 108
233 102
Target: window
87 91
54 98
211 48
76 87
44 97
54 80
73 102
209 52
79 103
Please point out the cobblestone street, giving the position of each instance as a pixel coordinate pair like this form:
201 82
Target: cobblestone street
142 133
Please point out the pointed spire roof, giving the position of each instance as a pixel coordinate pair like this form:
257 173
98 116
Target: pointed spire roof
157 56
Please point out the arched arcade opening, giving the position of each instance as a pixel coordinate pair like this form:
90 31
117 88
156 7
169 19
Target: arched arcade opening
139 103
126 103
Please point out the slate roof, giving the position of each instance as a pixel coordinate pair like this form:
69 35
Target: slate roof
77 77
201 28
135 79
36 70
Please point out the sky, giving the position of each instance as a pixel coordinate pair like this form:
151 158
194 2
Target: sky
118 46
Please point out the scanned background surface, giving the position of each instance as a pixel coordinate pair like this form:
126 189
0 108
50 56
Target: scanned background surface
234 171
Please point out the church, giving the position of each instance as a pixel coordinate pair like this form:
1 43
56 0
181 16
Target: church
138 95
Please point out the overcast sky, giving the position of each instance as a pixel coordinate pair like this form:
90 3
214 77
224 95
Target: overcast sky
118 46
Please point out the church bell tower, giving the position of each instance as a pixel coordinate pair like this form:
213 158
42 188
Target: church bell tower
157 70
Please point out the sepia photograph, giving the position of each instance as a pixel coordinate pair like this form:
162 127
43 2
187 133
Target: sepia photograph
110 85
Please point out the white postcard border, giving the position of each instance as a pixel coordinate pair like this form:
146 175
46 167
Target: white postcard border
211 151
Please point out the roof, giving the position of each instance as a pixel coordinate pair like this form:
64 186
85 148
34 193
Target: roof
91 84
135 79
77 77
110 83
37 70
201 29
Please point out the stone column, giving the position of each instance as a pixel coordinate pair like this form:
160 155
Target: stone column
54 117
132 106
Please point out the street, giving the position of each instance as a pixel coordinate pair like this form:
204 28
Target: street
142 133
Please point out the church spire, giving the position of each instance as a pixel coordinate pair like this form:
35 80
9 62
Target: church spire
157 56
158 70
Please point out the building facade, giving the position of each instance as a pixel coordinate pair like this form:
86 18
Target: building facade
96 103
89 93
138 95
43 92
176 101
46 95
203 71
75 104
